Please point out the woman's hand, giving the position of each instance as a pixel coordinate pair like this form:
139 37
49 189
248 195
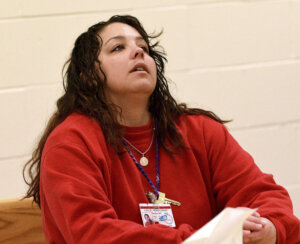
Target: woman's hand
258 230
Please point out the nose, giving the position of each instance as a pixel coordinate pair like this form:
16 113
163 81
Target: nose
137 52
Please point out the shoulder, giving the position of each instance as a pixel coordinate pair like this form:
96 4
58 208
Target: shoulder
77 130
202 130
77 122
199 124
74 126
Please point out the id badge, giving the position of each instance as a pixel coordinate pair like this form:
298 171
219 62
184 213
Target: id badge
157 214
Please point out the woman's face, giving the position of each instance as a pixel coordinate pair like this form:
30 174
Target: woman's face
125 61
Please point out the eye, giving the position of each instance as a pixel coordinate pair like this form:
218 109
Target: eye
145 48
117 48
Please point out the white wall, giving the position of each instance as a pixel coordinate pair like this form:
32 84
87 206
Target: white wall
240 59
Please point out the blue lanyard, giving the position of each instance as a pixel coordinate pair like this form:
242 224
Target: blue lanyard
155 189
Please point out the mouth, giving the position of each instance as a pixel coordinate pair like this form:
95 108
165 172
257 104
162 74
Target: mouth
140 67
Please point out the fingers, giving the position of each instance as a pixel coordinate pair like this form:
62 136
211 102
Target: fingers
256 214
267 234
252 228
250 237
255 219
253 223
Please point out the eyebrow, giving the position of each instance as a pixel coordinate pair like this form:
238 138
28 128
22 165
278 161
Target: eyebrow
123 38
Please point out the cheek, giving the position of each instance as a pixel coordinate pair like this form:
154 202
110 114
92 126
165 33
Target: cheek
106 69
113 76
112 68
154 69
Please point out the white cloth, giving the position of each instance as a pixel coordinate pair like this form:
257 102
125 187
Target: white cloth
225 228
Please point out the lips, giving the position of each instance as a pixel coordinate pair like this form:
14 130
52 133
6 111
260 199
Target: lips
139 67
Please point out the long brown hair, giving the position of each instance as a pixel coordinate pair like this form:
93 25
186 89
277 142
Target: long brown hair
84 94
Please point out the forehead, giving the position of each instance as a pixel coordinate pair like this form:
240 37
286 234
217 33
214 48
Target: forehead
118 29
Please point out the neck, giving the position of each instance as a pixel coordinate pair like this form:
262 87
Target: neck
134 117
134 113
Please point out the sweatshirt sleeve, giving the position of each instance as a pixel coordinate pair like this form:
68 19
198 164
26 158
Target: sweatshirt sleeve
237 181
76 207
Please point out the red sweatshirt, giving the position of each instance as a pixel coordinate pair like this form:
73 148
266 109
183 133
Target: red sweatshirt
89 194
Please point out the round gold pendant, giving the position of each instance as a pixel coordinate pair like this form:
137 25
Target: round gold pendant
143 161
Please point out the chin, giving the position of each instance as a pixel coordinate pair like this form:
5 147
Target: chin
145 87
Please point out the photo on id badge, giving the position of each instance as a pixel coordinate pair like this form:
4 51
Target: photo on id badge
153 214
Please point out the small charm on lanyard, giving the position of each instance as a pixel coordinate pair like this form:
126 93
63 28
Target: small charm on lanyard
161 198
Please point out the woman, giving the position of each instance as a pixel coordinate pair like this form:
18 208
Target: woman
118 136
148 220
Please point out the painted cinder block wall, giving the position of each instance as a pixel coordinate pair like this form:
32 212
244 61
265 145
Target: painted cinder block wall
240 59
